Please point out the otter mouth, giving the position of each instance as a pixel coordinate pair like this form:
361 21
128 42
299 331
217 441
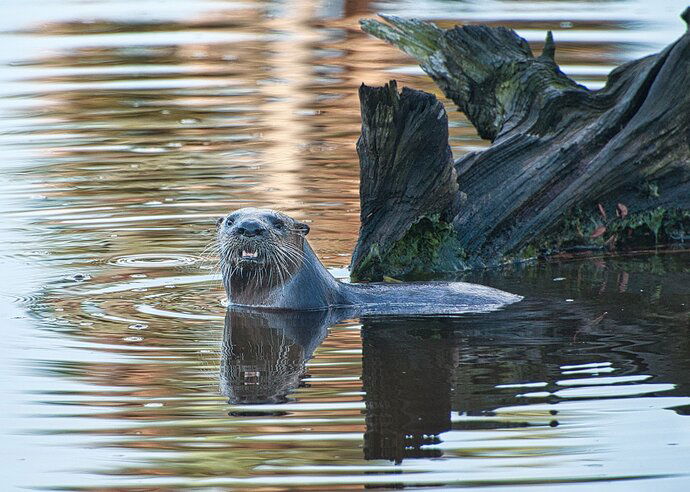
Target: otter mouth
248 254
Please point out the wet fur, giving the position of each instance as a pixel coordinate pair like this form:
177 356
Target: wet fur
288 276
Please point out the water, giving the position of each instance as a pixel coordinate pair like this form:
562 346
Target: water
127 127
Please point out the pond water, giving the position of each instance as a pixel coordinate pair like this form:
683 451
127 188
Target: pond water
127 127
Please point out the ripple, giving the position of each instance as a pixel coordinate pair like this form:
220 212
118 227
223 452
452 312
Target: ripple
166 313
153 260
150 283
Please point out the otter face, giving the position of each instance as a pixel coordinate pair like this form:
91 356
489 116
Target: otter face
259 245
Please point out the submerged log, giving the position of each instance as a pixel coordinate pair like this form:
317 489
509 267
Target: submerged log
568 167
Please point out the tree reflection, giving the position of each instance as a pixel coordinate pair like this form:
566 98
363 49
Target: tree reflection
407 379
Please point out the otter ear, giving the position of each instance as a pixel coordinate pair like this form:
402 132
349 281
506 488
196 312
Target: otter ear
302 228
219 221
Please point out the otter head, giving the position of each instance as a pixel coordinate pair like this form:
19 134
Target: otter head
259 249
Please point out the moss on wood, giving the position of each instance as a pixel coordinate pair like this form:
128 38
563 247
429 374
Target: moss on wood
429 245
578 231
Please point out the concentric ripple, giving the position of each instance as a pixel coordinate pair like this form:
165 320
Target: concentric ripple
153 260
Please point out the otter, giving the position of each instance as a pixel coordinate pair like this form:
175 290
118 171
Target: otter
267 263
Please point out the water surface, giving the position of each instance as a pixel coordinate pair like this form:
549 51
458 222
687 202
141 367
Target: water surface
127 127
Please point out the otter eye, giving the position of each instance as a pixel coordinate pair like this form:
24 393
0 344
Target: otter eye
224 220
278 224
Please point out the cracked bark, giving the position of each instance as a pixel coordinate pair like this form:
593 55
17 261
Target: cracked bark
557 147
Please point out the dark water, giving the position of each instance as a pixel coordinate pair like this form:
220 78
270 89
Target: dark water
127 127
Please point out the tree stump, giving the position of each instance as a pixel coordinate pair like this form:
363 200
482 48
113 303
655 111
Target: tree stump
568 167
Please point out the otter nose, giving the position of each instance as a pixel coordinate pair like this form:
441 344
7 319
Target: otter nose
250 228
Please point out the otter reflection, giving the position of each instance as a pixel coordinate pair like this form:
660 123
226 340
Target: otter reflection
264 353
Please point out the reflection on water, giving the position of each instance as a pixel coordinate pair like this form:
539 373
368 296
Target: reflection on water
407 378
264 353
127 127
579 380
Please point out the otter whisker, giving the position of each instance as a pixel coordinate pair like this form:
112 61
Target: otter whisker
210 255
275 263
282 268
293 256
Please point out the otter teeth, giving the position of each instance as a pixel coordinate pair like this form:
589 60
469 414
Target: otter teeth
249 254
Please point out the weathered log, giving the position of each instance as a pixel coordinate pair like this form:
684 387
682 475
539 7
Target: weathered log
400 129
568 166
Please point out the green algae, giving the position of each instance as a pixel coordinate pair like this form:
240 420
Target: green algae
429 245
638 229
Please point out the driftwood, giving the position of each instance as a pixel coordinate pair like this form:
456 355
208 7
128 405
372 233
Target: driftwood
568 168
